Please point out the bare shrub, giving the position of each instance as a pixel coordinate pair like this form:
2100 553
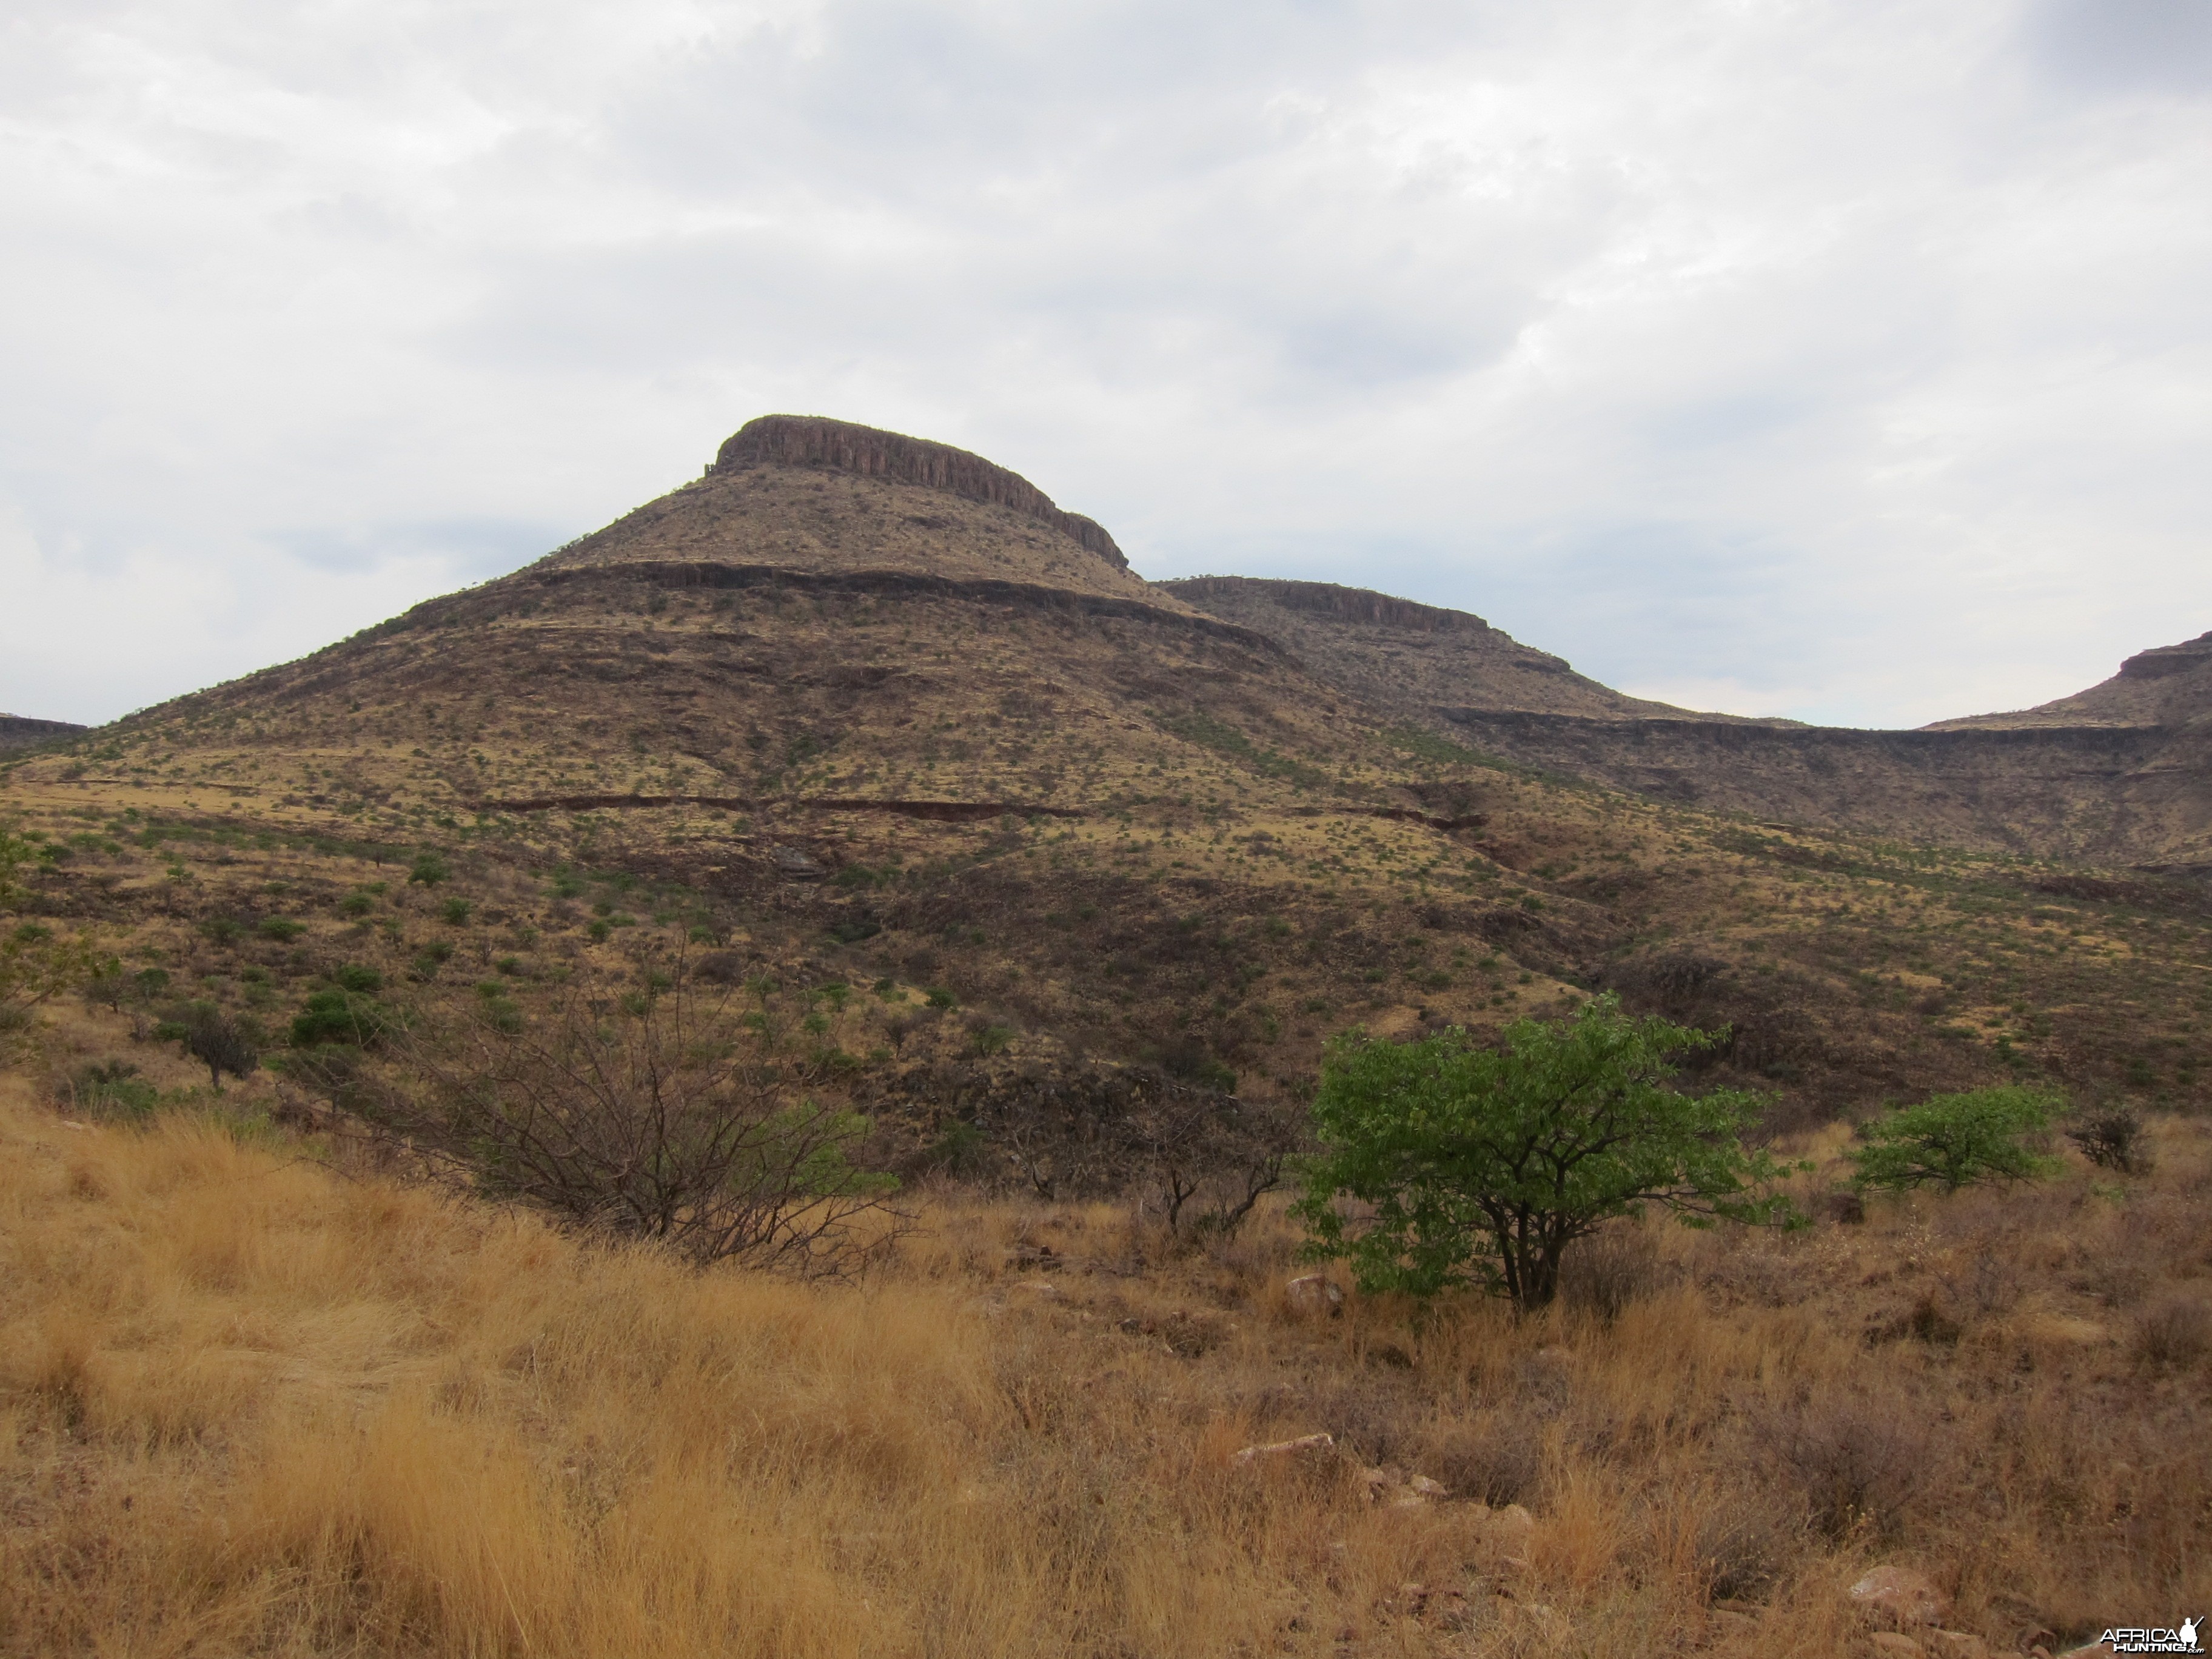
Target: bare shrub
1854 1460
677 1113
1604 1273
2177 1332
1215 1156
1745 1545
1493 1460
1202 1159
2111 1136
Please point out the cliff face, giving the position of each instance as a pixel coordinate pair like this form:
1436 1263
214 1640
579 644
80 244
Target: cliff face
810 440
1340 604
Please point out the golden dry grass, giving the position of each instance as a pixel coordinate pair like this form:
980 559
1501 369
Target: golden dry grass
249 1404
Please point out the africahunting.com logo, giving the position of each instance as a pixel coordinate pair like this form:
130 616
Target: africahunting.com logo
2153 1640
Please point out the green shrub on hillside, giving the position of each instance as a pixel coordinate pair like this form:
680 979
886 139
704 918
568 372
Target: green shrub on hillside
1956 1140
1483 1165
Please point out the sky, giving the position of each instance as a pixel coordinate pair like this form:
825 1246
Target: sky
1849 361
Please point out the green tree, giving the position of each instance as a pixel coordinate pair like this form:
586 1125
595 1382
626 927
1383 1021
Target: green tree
1953 1140
1483 1165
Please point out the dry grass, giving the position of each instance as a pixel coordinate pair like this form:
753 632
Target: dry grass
249 1405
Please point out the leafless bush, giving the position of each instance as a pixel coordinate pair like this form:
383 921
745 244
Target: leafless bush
1744 1546
1854 1462
1493 1461
2177 1332
1602 1274
1201 1159
676 1112
1215 1156
2111 1136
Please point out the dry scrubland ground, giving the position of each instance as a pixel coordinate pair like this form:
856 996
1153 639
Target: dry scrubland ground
253 1403
1206 931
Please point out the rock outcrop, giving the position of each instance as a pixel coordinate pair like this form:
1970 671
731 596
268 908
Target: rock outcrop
816 441
1360 604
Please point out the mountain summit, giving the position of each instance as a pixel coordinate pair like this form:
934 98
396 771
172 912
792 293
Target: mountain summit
803 494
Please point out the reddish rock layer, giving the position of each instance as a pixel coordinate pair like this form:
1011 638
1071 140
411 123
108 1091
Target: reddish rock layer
813 441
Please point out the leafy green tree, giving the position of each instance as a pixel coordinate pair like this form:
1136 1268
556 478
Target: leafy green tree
1483 1165
1955 1140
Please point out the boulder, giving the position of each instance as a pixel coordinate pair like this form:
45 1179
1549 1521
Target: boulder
1507 1531
1428 1488
1899 1597
1896 1646
1957 1644
1304 1442
1043 1288
1313 1296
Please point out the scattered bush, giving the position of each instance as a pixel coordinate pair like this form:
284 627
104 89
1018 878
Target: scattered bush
110 1088
456 912
338 1016
428 870
280 928
218 1041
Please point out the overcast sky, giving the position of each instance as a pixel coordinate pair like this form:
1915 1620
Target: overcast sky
1849 361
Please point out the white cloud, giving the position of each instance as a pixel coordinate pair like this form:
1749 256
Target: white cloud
1846 358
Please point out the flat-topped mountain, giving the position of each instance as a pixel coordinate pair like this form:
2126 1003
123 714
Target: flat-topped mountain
799 493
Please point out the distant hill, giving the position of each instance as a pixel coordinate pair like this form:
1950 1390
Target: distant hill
2120 774
18 732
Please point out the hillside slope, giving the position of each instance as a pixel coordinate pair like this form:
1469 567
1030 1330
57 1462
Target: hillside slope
1072 826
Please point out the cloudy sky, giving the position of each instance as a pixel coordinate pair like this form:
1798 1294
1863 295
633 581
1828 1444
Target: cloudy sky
1846 359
